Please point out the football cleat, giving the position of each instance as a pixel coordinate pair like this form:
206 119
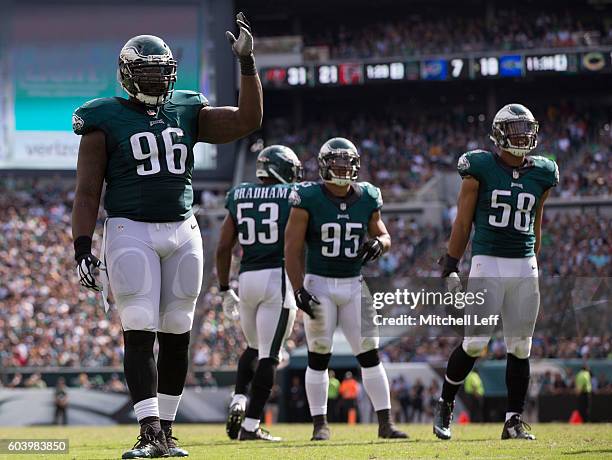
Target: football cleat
320 432
443 414
148 445
234 420
173 449
389 431
515 428
258 435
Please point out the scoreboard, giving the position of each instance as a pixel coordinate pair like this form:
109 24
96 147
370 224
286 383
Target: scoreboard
473 67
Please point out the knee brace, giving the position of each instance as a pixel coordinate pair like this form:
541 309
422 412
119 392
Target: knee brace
518 346
369 358
474 346
139 341
318 361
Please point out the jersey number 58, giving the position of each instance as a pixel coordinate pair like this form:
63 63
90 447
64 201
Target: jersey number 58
522 215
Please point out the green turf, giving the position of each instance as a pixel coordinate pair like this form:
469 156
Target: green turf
473 441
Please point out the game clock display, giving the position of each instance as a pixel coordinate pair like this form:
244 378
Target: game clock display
474 67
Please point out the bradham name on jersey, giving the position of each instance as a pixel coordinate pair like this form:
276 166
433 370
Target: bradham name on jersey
260 193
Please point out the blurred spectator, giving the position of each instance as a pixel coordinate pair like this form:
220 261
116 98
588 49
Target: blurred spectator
333 394
61 403
417 399
584 390
116 385
474 392
208 380
297 401
349 392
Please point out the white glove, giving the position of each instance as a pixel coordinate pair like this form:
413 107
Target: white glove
453 284
230 304
243 45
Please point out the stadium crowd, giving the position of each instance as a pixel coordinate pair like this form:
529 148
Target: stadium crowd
423 31
401 152
46 319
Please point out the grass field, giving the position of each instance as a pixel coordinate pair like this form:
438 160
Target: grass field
475 441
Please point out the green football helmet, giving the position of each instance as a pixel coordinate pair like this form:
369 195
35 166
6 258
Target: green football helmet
515 130
147 70
339 161
280 163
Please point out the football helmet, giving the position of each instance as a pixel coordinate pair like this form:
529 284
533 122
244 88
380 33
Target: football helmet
339 161
147 70
280 163
515 130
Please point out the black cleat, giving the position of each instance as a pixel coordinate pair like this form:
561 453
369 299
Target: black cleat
258 435
320 431
389 431
443 414
148 445
173 449
515 428
234 420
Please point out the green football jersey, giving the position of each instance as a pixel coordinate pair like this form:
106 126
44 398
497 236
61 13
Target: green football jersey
150 154
507 201
260 213
336 226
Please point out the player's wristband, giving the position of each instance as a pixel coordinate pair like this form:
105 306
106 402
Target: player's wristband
247 65
82 246
224 287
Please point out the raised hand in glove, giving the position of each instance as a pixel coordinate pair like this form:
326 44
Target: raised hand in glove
230 303
305 301
370 250
243 45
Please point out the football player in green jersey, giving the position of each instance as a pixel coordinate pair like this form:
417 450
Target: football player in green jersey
256 218
333 219
502 195
142 147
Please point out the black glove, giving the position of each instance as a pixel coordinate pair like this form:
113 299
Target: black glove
449 265
88 265
243 45
305 301
370 250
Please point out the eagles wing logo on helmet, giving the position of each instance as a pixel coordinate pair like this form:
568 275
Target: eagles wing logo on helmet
515 130
147 70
